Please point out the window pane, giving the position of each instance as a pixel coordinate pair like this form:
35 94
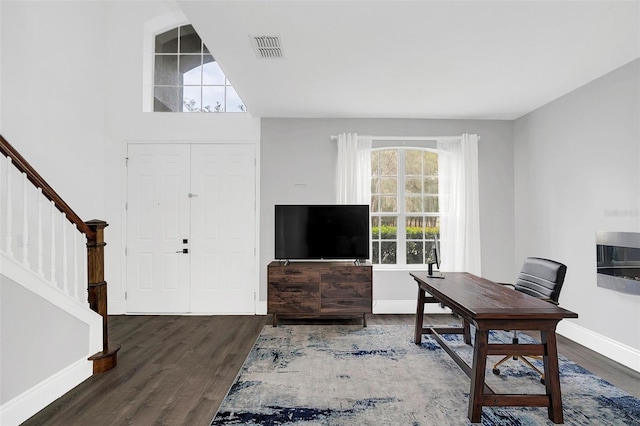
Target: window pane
389 228
430 163
191 69
389 163
166 70
413 204
432 223
375 227
189 40
375 163
413 162
192 99
234 103
388 185
167 42
415 252
166 99
388 253
213 99
375 256
212 73
414 227
413 186
375 185
431 203
389 204
431 185
375 203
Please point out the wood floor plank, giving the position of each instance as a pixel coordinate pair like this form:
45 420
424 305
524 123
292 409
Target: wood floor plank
176 370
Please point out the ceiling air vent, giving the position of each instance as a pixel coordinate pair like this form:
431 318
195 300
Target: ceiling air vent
267 46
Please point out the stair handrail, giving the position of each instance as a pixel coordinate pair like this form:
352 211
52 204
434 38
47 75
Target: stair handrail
94 232
34 177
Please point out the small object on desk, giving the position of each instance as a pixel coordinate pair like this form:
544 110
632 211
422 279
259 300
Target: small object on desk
433 274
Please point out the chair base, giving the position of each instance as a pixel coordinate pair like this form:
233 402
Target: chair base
496 370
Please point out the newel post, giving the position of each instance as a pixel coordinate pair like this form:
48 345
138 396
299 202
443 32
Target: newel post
97 287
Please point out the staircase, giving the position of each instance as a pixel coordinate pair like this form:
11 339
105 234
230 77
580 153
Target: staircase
53 296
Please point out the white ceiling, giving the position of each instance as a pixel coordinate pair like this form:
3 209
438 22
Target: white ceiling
415 59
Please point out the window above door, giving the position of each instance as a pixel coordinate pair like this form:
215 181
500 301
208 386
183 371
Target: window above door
186 76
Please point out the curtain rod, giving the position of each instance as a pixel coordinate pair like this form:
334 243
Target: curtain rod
404 138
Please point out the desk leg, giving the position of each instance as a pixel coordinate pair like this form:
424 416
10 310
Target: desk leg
552 375
477 375
417 337
467 331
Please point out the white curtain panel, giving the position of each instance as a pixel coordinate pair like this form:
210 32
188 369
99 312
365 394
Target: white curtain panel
459 206
353 174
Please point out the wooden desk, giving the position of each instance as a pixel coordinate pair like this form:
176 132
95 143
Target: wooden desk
490 306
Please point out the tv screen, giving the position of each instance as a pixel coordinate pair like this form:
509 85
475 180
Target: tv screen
322 232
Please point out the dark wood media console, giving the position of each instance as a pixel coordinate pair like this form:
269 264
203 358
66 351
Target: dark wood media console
319 289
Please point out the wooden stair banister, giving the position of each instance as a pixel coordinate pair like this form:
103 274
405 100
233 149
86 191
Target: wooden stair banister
94 233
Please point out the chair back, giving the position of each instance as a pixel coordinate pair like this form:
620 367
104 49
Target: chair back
541 278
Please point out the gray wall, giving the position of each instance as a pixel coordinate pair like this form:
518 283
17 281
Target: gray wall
32 353
577 161
298 162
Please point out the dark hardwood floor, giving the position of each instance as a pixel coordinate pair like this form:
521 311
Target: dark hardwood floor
176 370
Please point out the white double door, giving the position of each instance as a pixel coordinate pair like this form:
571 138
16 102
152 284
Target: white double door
191 228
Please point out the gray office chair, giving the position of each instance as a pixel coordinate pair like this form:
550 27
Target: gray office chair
541 278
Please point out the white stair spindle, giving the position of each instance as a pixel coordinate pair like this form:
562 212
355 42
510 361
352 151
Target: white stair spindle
25 221
63 235
9 215
85 272
40 244
52 215
76 280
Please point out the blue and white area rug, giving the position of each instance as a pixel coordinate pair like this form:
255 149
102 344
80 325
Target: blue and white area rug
349 375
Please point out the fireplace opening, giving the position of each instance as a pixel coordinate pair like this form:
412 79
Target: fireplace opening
618 261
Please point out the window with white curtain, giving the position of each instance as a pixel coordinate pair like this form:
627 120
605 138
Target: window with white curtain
405 216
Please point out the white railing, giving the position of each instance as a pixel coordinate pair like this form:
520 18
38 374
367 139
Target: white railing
35 234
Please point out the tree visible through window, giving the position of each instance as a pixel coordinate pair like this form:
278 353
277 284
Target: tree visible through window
187 78
404 205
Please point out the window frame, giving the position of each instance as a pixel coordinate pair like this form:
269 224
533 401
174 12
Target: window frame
401 213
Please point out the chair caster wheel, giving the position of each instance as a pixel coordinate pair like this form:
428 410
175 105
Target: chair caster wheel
496 371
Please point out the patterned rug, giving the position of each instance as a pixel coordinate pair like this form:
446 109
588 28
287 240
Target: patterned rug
349 375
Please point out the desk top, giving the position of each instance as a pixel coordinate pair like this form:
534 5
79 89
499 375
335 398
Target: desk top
478 298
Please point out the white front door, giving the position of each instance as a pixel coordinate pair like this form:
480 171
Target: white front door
223 228
157 222
199 198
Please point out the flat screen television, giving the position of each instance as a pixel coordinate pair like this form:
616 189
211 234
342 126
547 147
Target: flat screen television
322 232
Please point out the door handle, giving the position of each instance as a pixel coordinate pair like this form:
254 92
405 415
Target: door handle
185 251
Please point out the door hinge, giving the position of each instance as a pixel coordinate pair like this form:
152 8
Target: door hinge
126 206
125 251
125 295
126 161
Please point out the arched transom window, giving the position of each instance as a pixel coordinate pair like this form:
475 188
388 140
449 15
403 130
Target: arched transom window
187 78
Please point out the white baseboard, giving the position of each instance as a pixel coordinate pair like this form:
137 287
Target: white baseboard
618 352
25 405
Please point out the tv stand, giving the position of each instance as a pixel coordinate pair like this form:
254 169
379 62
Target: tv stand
319 290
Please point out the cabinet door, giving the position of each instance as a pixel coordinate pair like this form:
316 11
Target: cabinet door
293 290
346 290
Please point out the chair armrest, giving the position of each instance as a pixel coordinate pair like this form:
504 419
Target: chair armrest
507 285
